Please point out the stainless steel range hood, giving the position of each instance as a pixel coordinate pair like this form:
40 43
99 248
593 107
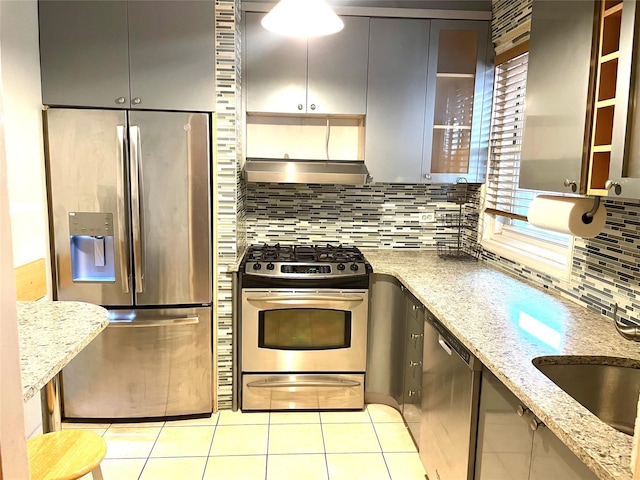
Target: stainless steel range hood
338 172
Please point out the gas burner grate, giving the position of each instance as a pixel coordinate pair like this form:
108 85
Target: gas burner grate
305 253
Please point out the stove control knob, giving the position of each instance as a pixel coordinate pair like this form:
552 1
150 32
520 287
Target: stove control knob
341 266
270 266
257 266
354 267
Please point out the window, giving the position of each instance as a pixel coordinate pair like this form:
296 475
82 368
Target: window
507 231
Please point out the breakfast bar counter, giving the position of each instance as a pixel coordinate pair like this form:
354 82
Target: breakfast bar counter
50 335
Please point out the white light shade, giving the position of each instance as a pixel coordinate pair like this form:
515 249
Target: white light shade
302 18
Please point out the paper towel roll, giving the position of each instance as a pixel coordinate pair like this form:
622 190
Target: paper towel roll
564 215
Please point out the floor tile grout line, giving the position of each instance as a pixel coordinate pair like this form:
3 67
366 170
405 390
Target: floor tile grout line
215 430
324 448
266 457
384 459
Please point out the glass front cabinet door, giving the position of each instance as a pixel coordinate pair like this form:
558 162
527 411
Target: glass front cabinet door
458 102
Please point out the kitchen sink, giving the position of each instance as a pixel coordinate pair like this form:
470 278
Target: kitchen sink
607 387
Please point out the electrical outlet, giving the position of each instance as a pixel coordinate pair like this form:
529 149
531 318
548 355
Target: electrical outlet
427 217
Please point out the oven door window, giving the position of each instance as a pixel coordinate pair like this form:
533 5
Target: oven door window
304 329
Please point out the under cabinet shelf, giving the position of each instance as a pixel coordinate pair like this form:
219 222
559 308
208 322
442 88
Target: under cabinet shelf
610 102
612 10
455 75
452 127
601 148
610 57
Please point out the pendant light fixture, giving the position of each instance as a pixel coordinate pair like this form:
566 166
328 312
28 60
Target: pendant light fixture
302 18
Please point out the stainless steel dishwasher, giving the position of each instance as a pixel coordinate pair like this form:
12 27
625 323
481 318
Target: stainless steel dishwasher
450 398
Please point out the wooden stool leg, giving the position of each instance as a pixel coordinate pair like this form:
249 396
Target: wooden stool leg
97 473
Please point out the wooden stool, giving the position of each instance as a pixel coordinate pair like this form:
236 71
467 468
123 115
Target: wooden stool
66 455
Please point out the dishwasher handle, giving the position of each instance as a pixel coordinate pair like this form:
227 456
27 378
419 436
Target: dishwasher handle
445 346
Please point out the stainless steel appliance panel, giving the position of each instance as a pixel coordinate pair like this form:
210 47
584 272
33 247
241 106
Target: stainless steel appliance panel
147 363
169 165
450 397
349 359
386 341
302 392
86 158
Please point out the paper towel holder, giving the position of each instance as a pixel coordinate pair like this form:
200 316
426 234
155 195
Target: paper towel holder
587 218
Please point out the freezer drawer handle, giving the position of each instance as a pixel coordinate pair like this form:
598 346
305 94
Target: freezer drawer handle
169 322
302 383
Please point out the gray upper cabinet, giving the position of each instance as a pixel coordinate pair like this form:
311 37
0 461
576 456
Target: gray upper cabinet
556 115
117 54
398 56
275 69
337 70
428 100
172 55
326 75
84 53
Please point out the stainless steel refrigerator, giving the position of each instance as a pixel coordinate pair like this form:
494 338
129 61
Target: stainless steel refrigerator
130 215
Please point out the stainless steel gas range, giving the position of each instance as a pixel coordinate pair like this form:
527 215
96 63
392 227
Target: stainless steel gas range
304 312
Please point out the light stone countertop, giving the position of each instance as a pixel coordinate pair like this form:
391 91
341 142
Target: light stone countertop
50 335
485 309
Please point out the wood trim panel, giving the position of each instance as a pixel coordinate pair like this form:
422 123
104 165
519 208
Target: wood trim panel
31 280
500 213
512 53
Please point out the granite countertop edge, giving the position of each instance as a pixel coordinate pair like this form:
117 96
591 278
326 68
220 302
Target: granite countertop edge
50 334
479 305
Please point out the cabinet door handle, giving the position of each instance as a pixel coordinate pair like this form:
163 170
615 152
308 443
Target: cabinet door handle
414 364
609 184
427 176
120 100
411 393
416 307
300 106
521 410
313 106
417 335
136 101
570 183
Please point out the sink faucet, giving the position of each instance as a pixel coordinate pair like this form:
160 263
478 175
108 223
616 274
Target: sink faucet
628 332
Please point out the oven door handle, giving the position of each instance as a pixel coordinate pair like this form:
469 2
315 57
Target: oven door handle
295 299
303 383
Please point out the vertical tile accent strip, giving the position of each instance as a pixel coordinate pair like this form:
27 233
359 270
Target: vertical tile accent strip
227 152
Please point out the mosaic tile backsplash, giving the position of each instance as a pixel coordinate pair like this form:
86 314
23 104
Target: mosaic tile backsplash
605 270
373 216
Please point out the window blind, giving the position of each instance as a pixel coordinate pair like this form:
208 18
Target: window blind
504 198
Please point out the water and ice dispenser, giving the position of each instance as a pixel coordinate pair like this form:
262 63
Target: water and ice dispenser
92 247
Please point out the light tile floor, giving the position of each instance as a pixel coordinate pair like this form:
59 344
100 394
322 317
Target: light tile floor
373 444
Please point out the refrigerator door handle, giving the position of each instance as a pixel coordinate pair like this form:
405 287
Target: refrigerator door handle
136 212
123 249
